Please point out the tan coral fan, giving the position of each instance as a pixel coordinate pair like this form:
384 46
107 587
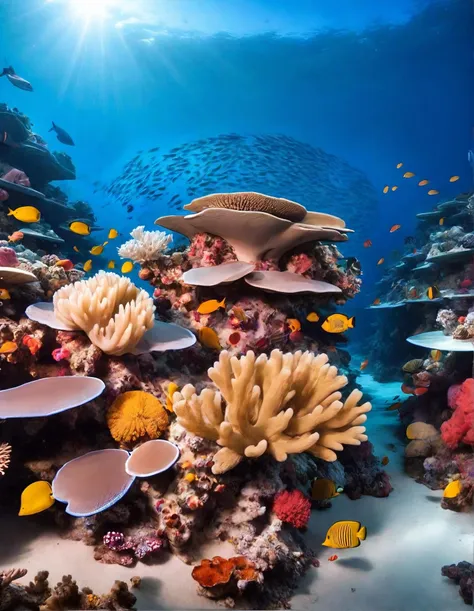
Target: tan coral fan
113 312
285 404
250 201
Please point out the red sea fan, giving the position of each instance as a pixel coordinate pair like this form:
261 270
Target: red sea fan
292 507
460 427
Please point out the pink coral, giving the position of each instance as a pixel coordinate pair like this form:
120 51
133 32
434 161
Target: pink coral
140 546
300 263
292 507
17 177
8 257
3 195
460 427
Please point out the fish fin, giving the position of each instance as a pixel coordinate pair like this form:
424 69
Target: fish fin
362 534
222 303
10 212
352 322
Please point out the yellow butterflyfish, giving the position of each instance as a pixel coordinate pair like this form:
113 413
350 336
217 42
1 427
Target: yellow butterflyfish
35 498
25 214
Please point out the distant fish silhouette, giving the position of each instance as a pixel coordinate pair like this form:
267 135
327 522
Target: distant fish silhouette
62 135
16 80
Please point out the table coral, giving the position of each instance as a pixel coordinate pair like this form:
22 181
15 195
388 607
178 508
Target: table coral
136 415
460 427
285 404
292 507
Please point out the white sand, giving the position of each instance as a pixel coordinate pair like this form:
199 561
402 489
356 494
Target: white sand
396 569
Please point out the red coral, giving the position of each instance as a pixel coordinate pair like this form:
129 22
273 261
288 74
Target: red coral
292 507
460 427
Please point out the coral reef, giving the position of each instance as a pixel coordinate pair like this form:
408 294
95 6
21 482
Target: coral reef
463 575
145 245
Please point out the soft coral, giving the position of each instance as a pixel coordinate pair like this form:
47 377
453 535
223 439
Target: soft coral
460 427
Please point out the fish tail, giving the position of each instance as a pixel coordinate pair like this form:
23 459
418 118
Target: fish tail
53 128
222 303
352 322
362 534
10 212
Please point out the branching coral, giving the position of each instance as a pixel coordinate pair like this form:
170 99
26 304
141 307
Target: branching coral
135 415
5 452
285 404
113 312
145 246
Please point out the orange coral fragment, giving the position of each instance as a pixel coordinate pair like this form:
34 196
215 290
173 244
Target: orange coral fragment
218 571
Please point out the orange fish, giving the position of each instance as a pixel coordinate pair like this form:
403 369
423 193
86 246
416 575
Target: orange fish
66 264
420 391
393 407
377 302
441 221
16 236
380 261
408 175
367 243
385 461
364 364
433 192
294 324
8 347
31 343
423 183
333 558
394 188
407 390
394 228
386 189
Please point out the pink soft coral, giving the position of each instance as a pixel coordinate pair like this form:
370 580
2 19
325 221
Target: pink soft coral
8 257
460 427
292 507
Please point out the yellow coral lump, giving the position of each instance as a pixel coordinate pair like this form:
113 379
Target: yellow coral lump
136 415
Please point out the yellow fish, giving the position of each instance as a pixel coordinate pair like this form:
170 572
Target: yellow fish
111 265
208 337
452 490
441 221
127 267
454 178
172 388
76 249
433 292
4 294
338 323
324 489
97 250
399 165
394 188
408 175
294 324
210 306
36 498
8 347
239 313
88 265
436 355
25 214
433 192
345 534
386 188
312 317
80 228
423 182
113 233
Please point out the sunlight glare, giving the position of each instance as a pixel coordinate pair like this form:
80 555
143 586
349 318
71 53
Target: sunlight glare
92 9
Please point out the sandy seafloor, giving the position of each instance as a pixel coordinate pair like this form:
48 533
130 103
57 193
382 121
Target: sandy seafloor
396 569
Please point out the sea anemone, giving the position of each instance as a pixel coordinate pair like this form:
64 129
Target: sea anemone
136 415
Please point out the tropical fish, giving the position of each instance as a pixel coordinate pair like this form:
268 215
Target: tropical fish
433 192
208 337
113 233
294 324
80 228
395 187
16 236
25 214
111 265
97 250
394 228
333 558
87 265
380 261
60 354
423 183
376 302
364 364
386 189
210 306
16 80
399 165
367 243
324 489
8 347
441 221
62 135
461 319
35 498
66 264
127 267
433 292
76 249
394 407
338 323
385 460
234 338
345 534
418 392
172 388
312 317
454 179
353 265
239 313
31 343
407 390
436 355
408 175
413 366
5 295
452 490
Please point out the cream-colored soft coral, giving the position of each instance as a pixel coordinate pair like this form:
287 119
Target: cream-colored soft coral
145 245
113 312
285 404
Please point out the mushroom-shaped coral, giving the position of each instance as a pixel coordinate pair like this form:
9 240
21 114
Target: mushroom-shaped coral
113 312
153 457
145 245
136 415
285 404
